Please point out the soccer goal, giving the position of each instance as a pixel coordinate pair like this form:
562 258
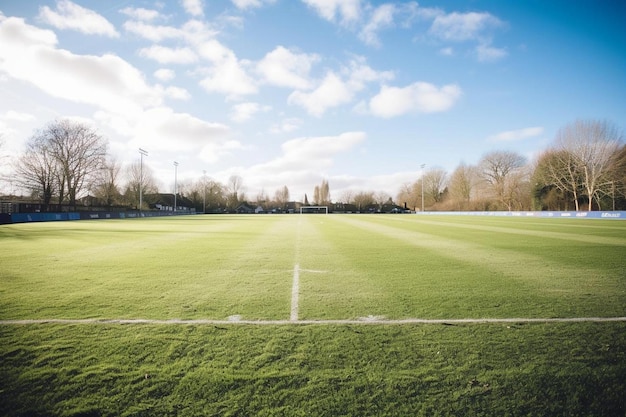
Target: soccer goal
314 210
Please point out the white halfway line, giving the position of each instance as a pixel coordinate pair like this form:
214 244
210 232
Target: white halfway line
295 292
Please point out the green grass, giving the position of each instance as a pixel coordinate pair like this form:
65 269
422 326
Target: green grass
391 370
395 267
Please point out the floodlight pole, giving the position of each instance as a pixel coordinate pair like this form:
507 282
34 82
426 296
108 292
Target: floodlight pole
204 192
175 183
142 153
422 166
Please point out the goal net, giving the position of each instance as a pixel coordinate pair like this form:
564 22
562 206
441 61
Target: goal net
314 210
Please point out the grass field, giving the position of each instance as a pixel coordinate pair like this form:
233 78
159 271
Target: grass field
313 315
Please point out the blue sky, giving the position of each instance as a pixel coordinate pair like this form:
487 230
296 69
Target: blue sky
288 92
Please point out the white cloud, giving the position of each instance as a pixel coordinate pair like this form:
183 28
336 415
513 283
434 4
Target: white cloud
312 152
212 153
11 123
286 125
177 93
250 4
337 89
70 15
284 68
227 75
459 27
359 74
418 97
14 116
332 92
318 151
197 31
193 7
162 129
165 55
244 111
514 135
155 33
381 18
164 74
140 13
29 54
486 52
447 51
302 162
346 10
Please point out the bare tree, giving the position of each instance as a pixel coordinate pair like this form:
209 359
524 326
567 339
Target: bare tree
79 153
410 194
556 170
106 187
321 193
589 147
235 193
496 168
37 170
382 197
434 184
618 173
347 197
136 183
324 193
462 183
281 196
262 199
363 199
316 195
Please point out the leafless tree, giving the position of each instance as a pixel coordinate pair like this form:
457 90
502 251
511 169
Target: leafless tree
106 185
136 183
382 197
363 199
281 196
410 194
37 170
235 193
321 193
462 183
618 173
262 199
555 169
79 153
434 184
347 197
588 148
497 169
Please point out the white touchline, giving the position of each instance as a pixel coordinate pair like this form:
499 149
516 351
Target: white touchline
338 322
295 291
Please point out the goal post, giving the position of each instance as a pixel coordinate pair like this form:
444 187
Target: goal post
314 210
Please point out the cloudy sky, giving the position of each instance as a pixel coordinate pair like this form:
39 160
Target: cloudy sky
291 92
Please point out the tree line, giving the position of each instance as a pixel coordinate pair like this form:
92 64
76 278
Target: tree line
583 169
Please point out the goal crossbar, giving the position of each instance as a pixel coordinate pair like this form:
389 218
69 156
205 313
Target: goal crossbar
314 209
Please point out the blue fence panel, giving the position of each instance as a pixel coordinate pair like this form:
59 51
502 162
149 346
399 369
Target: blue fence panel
609 215
38 217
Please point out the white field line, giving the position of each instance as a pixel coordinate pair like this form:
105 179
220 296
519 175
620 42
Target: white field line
362 321
295 292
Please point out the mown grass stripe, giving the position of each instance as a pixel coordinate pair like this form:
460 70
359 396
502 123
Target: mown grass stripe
506 262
